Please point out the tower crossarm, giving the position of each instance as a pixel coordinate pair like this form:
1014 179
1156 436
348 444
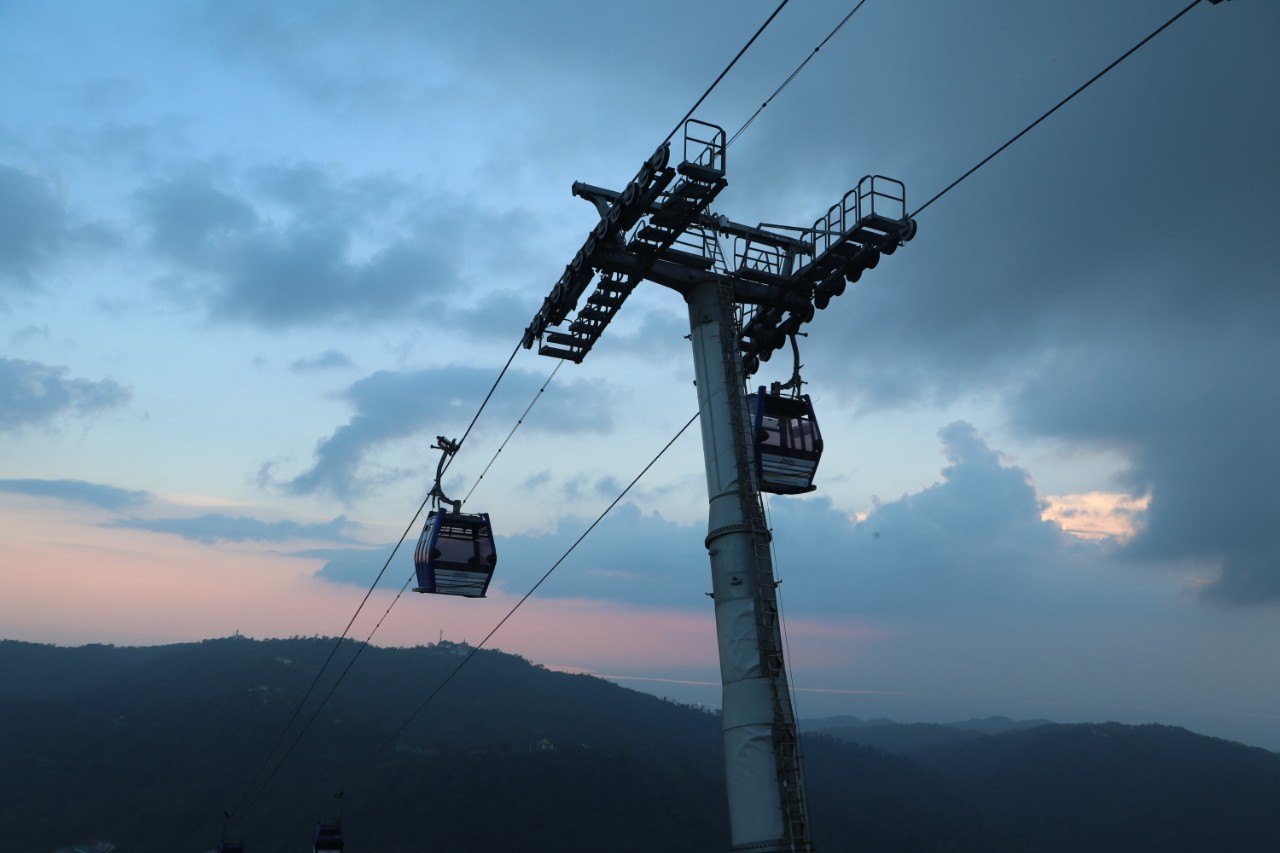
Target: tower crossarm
615 221
869 221
721 224
644 221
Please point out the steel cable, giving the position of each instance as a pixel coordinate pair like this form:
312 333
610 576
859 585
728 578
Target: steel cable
722 74
793 74
1056 107
248 799
465 660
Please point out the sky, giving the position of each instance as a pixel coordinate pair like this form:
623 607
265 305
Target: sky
255 257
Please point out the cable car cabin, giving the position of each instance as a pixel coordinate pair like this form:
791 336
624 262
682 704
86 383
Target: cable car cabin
788 443
455 554
231 847
328 836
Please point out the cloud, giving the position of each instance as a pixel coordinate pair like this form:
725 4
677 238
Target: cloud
499 317
1143 341
33 226
393 405
655 326
214 527
77 491
1196 416
30 332
108 93
979 500
314 53
328 360
37 229
359 566
536 480
299 247
35 394
632 556
972 543
1098 516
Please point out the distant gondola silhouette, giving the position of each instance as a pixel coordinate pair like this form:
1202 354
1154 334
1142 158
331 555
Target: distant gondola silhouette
328 836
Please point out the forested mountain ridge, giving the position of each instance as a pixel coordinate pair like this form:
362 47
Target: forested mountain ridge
1096 786
144 747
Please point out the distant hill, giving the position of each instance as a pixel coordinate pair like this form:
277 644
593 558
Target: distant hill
144 747
901 738
906 738
996 725
1098 787
1115 787
983 725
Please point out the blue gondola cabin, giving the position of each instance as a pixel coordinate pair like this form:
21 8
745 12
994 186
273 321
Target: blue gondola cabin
455 554
788 444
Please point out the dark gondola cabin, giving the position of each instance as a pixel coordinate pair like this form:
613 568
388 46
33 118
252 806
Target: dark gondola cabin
455 554
788 444
231 847
328 836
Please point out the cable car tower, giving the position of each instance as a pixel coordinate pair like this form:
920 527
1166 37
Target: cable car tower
741 309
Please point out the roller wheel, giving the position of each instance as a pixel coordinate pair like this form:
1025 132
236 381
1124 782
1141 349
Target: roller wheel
659 158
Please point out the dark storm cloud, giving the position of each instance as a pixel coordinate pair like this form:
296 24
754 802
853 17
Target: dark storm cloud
77 491
215 527
1197 416
34 394
300 255
1111 276
300 49
1134 226
392 405
1082 229
328 360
